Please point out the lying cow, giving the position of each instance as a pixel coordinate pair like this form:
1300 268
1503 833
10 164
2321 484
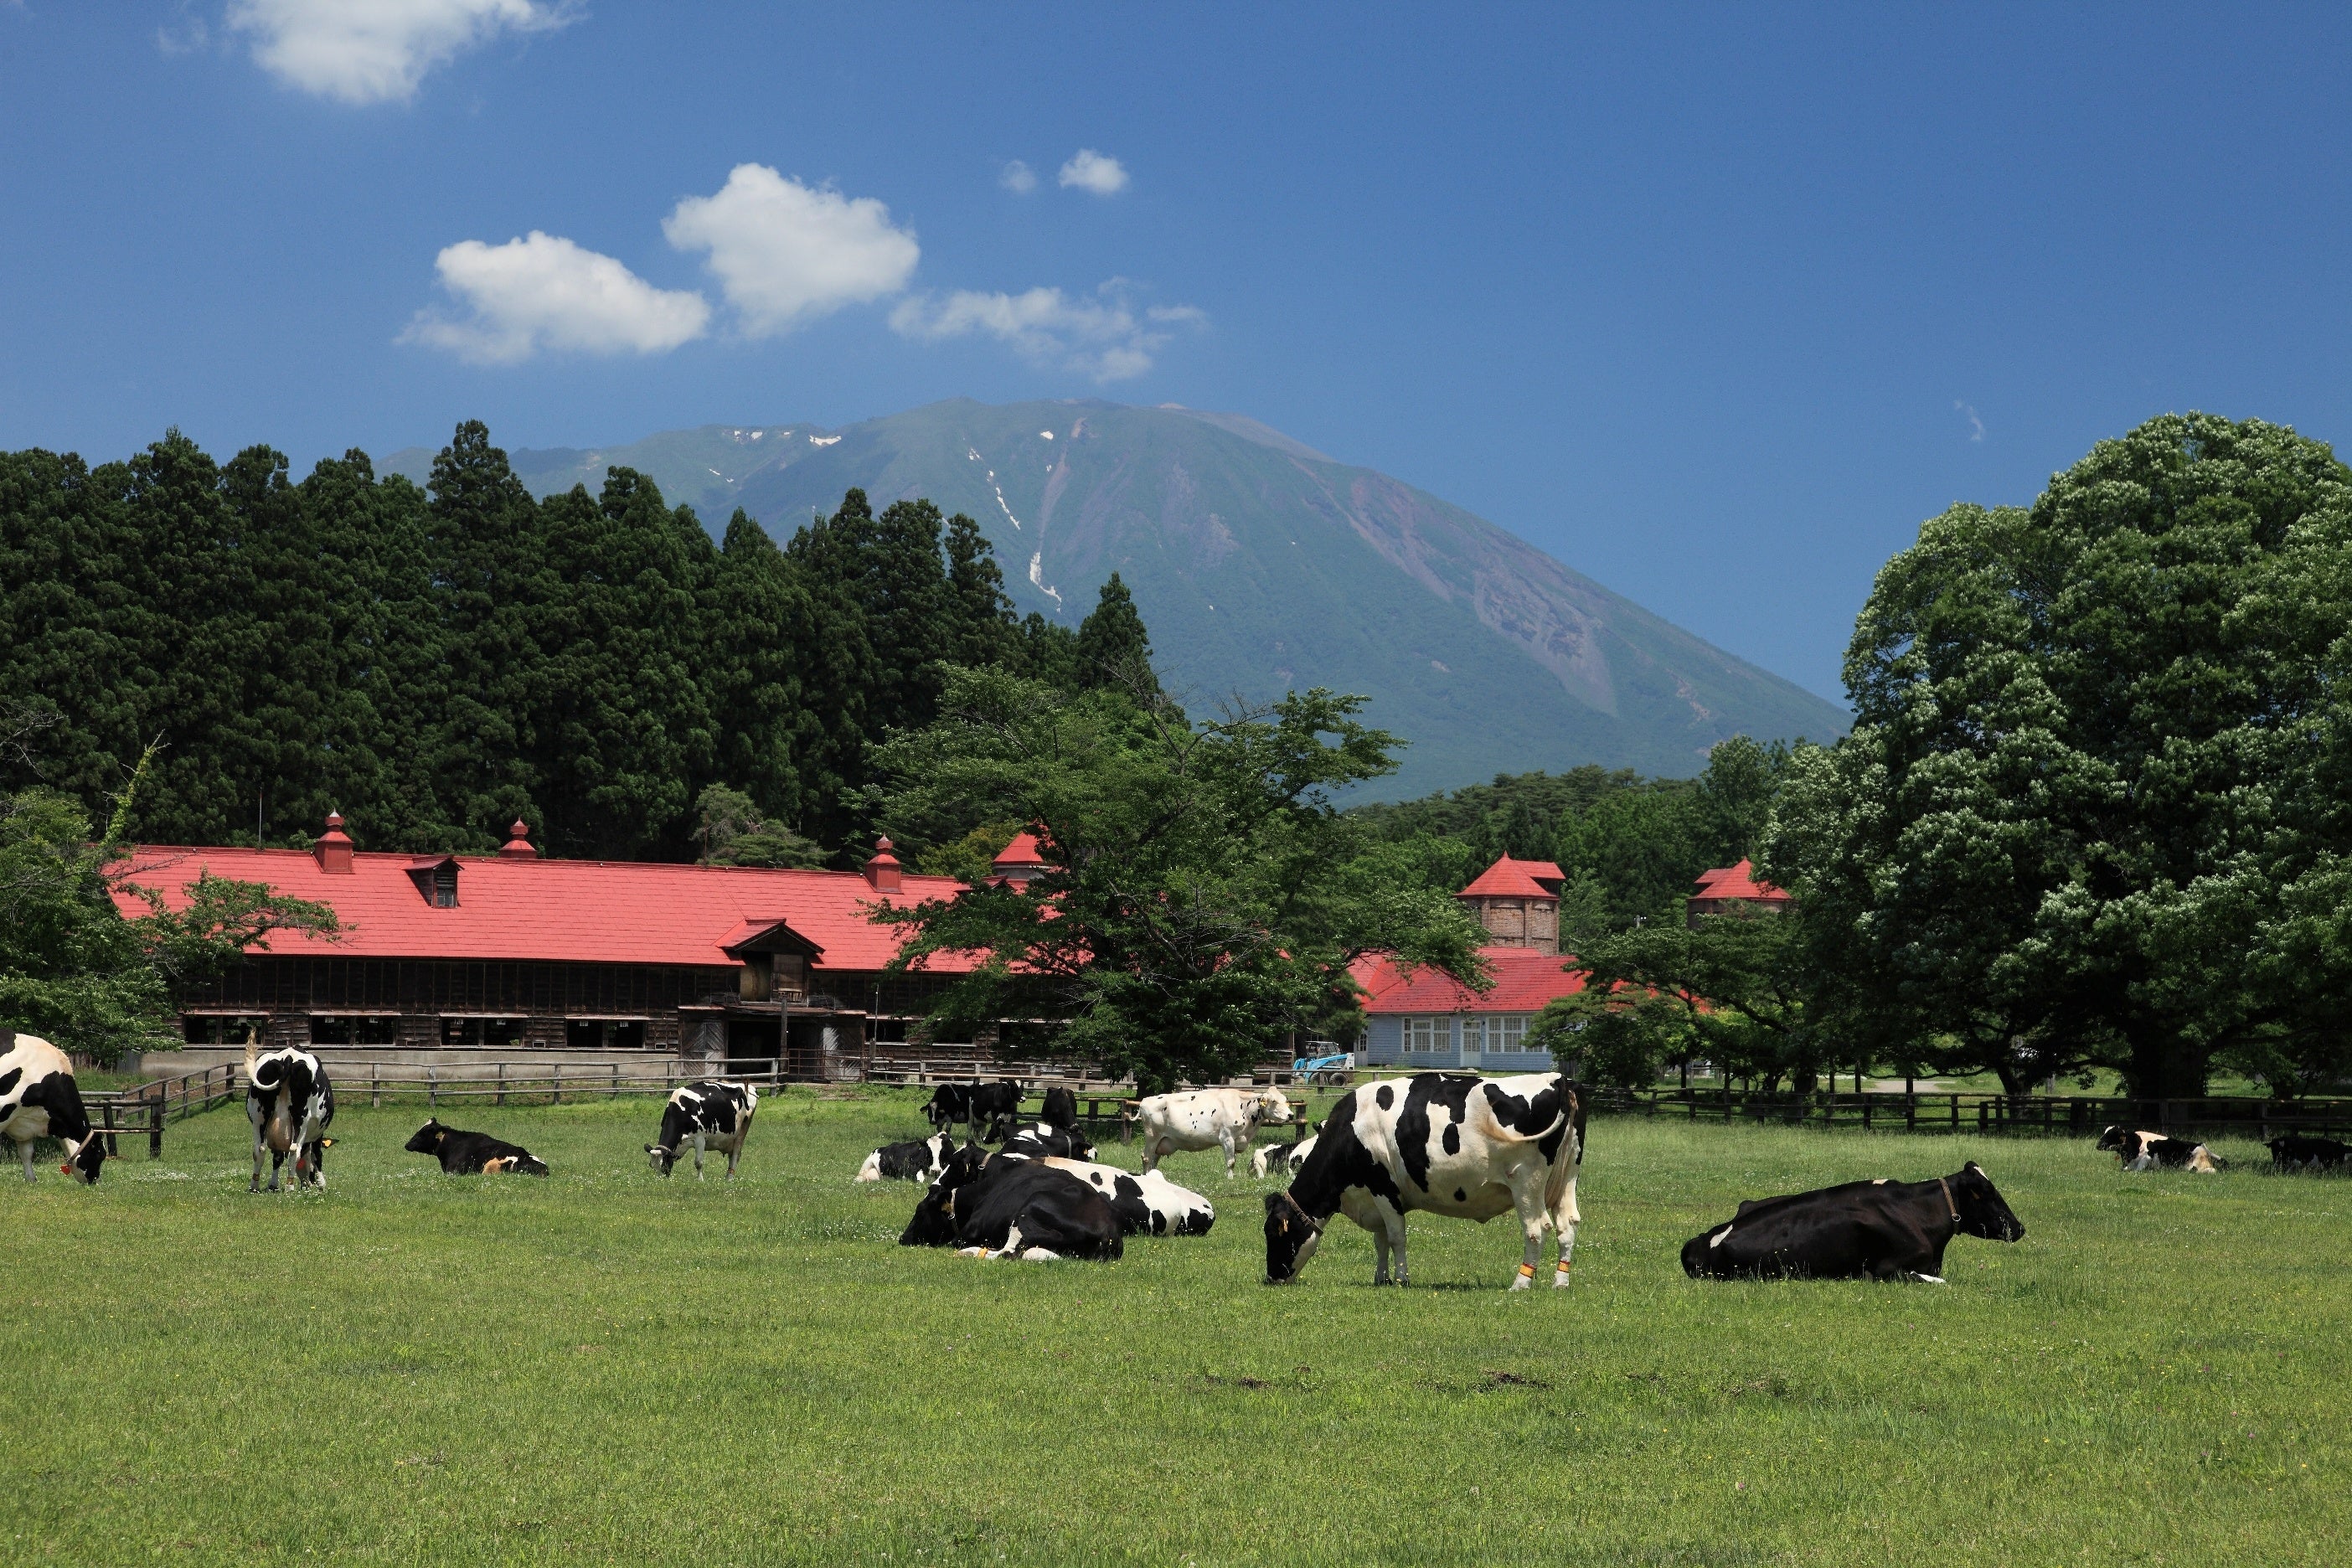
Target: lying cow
918 1160
1881 1230
1061 1108
1207 1119
713 1114
289 1102
473 1153
1147 1203
1017 1208
2141 1151
38 1099
1452 1143
2296 1152
976 1105
1036 1140
1288 1158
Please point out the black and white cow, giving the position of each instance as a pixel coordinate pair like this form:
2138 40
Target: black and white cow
1288 1158
715 1113
976 1105
918 1160
1451 1144
1207 1119
1017 1208
1147 1203
474 1154
2298 1151
1036 1140
38 1099
1061 1108
1881 1230
289 1102
2141 1151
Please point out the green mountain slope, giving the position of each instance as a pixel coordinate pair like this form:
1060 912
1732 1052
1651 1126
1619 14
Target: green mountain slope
1259 564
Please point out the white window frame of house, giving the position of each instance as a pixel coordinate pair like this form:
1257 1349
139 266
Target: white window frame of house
1509 1033
1474 1035
1422 1037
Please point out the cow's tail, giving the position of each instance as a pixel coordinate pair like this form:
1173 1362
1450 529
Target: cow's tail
252 1059
1564 1169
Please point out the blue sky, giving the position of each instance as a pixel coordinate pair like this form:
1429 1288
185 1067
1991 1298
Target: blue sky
1714 304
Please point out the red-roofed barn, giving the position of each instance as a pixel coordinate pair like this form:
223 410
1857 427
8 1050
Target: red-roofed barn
1730 888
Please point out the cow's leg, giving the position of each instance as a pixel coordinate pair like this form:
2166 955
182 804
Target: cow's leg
257 1143
1381 1255
1395 1227
700 1140
1529 1202
1565 1217
26 1148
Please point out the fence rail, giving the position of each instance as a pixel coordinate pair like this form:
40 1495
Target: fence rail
2048 1114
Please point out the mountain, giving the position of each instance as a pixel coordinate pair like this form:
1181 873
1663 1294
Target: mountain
1259 564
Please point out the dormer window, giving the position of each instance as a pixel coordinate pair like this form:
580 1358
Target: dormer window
436 880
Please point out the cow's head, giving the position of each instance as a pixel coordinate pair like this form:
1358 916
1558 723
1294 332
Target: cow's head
1272 1107
1004 1127
934 1223
1291 1237
963 1165
1079 1148
2113 1137
661 1158
428 1138
1982 1211
85 1159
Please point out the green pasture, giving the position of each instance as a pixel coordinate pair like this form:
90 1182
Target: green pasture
605 1367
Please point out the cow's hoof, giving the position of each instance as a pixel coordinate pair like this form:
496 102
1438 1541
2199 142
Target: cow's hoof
1519 1283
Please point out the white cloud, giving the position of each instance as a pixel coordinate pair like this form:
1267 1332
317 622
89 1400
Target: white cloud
545 293
785 253
370 51
1097 172
1103 335
1018 177
1975 425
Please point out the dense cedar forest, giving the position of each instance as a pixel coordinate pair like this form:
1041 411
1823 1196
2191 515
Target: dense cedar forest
435 662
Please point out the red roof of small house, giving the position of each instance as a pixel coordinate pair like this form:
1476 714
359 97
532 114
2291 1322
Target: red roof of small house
1021 851
1509 878
1738 882
1524 979
584 911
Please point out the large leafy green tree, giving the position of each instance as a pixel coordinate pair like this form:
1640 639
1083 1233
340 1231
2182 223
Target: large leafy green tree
2094 807
1203 898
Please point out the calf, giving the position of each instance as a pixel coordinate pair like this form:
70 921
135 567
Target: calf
919 1160
2295 1151
1017 1208
1036 1140
1451 1144
1146 1204
38 1099
1061 1108
713 1114
1881 1230
289 1102
1289 1157
1207 1119
473 1153
2140 1151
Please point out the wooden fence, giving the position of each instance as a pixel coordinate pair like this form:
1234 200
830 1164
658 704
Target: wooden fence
2048 1114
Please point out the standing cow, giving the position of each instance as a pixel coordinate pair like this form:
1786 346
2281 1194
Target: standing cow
38 1099
1207 1119
290 1103
713 1114
1452 1143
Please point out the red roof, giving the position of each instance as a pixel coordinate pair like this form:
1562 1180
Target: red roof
1021 851
1523 978
588 912
1738 882
1509 878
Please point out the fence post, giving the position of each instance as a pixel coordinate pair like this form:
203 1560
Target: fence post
616 1082
502 1083
559 1083
376 1085
432 1085
155 1128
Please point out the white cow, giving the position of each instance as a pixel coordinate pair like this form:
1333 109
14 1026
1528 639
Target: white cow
1207 1119
1450 1143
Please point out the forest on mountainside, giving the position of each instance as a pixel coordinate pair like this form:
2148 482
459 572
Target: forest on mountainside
437 661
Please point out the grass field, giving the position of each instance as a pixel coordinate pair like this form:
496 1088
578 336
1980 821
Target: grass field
605 1367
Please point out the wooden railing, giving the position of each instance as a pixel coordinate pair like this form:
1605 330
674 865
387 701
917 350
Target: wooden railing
2051 1114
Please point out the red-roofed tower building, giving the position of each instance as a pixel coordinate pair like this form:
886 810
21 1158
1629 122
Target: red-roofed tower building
1729 887
1519 903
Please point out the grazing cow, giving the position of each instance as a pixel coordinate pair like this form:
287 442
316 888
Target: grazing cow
1881 1230
918 1160
2139 1150
1017 1208
473 1153
2296 1152
976 1105
1291 1157
713 1114
38 1099
290 1103
1207 1119
1061 1108
1036 1140
1147 1203
1452 1143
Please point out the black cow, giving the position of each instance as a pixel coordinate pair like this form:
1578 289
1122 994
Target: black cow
2140 1151
1061 1108
712 1114
976 1105
918 1160
1017 1208
1036 1140
38 1099
2296 1152
474 1154
289 1102
1884 1229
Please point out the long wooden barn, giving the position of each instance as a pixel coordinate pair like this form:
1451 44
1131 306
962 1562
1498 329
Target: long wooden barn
512 953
